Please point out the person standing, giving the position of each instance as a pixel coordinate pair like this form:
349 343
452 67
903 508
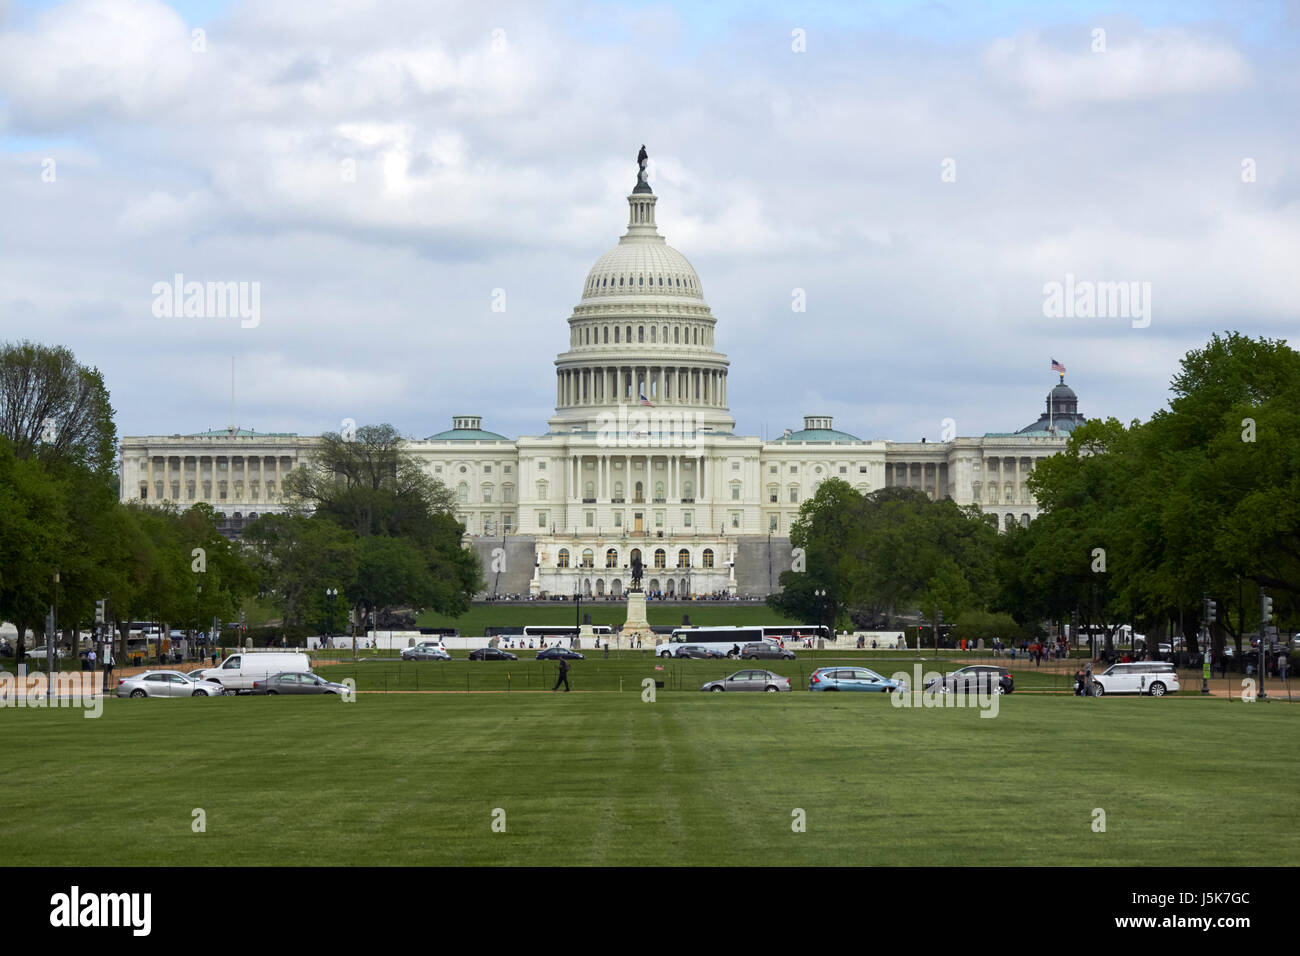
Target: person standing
108 666
564 676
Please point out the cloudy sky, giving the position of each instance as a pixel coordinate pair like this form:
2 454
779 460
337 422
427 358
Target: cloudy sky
921 170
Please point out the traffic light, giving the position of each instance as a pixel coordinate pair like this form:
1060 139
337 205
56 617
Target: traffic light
99 611
1211 611
1265 608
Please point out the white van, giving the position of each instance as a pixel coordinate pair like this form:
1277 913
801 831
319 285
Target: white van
238 671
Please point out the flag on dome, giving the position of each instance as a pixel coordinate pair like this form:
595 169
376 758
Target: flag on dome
645 401
1058 367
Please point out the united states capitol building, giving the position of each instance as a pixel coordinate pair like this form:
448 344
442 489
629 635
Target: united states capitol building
641 454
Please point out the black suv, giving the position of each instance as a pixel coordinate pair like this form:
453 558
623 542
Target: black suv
977 678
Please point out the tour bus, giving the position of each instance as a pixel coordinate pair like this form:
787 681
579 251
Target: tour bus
545 632
797 632
719 639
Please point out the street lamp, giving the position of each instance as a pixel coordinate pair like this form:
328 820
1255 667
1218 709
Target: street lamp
330 595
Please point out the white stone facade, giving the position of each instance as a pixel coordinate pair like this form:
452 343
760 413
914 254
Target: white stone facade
639 454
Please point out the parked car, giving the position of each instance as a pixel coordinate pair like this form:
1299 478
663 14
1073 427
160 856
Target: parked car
491 654
763 649
976 679
167 684
1145 677
695 652
297 683
424 652
852 679
555 653
750 680
238 671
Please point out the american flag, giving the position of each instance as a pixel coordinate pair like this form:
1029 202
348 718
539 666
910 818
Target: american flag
646 402
1058 367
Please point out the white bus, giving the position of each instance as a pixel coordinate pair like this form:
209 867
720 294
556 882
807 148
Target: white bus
722 640
563 632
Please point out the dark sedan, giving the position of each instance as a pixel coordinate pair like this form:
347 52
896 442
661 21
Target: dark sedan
296 684
491 654
555 653
978 678
695 652
753 652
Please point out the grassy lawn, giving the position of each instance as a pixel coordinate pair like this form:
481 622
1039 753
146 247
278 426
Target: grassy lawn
592 778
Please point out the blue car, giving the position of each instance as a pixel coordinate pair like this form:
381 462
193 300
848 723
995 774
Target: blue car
844 678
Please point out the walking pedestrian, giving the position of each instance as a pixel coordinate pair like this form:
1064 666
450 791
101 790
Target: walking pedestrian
564 676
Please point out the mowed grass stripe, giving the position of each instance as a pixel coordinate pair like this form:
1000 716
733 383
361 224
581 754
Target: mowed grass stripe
689 779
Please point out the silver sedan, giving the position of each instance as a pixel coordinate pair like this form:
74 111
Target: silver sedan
750 680
167 684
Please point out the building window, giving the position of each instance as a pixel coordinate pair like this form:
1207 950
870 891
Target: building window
862 469
661 558
687 517
794 469
541 519
772 523
541 490
588 558
487 494
735 492
794 495
487 469
506 524
563 560
618 519
507 469
659 519
773 492
611 558
844 469
735 519
591 519
683 558
508 493
708 557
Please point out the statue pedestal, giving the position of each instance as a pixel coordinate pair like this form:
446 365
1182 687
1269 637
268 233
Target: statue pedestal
636 624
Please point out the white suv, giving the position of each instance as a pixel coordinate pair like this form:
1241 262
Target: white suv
1147 677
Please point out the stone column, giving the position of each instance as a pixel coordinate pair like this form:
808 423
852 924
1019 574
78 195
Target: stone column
279 484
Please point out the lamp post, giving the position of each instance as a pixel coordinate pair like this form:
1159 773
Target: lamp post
330 595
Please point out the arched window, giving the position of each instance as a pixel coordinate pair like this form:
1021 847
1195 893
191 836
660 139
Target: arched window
562 561
620 280
607 335
677 334
616 333
588 558
661 558
618 490
708 557
629 333
589 490
639 493
611 558
688 489
633 555
659 491
462 492
640 333
541 490
487 494
683 558
640 280
1009 522
652 333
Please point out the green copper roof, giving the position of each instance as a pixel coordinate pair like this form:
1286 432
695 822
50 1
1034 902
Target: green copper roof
467 434
821 435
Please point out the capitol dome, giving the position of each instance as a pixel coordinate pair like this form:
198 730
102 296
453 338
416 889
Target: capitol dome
639 266
642 333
